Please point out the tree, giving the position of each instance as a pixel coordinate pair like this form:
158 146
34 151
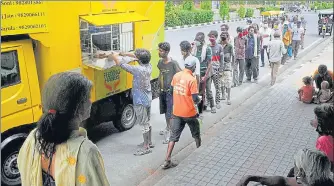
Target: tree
224 10
206 5
188 5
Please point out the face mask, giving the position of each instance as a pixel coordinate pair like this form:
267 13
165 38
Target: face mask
212 40
275 26
265 25
240 34
198 43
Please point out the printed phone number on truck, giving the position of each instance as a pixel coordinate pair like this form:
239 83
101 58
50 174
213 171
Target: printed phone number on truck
33 14
32 26
28 2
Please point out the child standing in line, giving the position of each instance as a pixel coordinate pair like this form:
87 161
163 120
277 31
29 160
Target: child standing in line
307 91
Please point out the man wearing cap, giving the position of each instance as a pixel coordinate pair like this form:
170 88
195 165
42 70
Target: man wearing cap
185 97
275 51
204 54
265 33
240 43
297 33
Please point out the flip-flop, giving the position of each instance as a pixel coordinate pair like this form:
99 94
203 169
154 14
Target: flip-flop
162 132
141 152
165 142
142 145
168 164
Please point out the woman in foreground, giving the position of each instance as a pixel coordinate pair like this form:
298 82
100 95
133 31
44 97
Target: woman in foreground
58 152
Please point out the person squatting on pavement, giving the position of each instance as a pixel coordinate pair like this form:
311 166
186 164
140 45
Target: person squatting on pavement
240 43
168 68
287 40
141 93
204 54
58 151
185 96
251 55
275 51
313 168
265 33
304 23
217 63
297 33
227 70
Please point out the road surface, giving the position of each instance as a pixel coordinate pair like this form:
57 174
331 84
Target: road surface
122 167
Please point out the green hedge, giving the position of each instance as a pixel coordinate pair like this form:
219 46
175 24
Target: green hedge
322 5
268 8
242 12
224 10
178 17
249 12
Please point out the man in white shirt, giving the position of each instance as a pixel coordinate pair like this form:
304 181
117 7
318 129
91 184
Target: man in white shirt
297 33
265 33
186 49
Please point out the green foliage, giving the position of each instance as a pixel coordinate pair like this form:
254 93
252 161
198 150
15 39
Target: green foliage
269 8
249 12
322 5
224 10
188 5
206 5
177 16
242 12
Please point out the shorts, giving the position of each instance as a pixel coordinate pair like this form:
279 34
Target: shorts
166 104
178 124
143 115
226 79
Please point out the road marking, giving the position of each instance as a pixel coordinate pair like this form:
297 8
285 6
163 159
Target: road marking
269 74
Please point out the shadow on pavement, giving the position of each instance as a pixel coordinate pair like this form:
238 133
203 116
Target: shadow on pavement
101 131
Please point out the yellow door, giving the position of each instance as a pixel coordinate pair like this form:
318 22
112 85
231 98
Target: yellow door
15 92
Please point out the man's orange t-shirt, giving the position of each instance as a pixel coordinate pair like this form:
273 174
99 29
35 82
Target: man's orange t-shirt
184 85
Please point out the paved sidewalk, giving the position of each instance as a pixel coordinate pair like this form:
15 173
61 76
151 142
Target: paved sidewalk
261 140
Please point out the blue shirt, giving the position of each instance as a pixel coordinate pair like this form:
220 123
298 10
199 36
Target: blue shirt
250 48
141 84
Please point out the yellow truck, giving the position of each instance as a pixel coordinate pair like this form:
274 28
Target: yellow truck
42 38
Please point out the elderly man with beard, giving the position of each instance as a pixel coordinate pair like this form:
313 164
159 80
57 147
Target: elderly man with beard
204 54
168 68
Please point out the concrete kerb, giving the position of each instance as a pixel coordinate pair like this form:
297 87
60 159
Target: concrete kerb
220 121
210 23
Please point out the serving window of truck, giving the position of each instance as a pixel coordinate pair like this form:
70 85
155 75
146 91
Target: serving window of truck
100 35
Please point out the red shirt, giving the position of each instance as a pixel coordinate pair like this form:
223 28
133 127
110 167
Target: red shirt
307 93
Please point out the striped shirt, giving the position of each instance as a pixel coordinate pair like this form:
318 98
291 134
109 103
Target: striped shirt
141 84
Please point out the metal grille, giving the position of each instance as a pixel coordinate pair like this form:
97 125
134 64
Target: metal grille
117 37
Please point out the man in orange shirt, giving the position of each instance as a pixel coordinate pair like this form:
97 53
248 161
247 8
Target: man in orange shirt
185 99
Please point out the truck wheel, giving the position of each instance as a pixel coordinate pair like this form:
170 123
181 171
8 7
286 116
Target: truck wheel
127 119
10 175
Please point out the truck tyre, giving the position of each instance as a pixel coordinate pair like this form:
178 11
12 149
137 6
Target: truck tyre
127 119
10 175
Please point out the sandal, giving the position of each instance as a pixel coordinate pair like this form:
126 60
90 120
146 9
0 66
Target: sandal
168 164
162 132
142 145
141 152
165 142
